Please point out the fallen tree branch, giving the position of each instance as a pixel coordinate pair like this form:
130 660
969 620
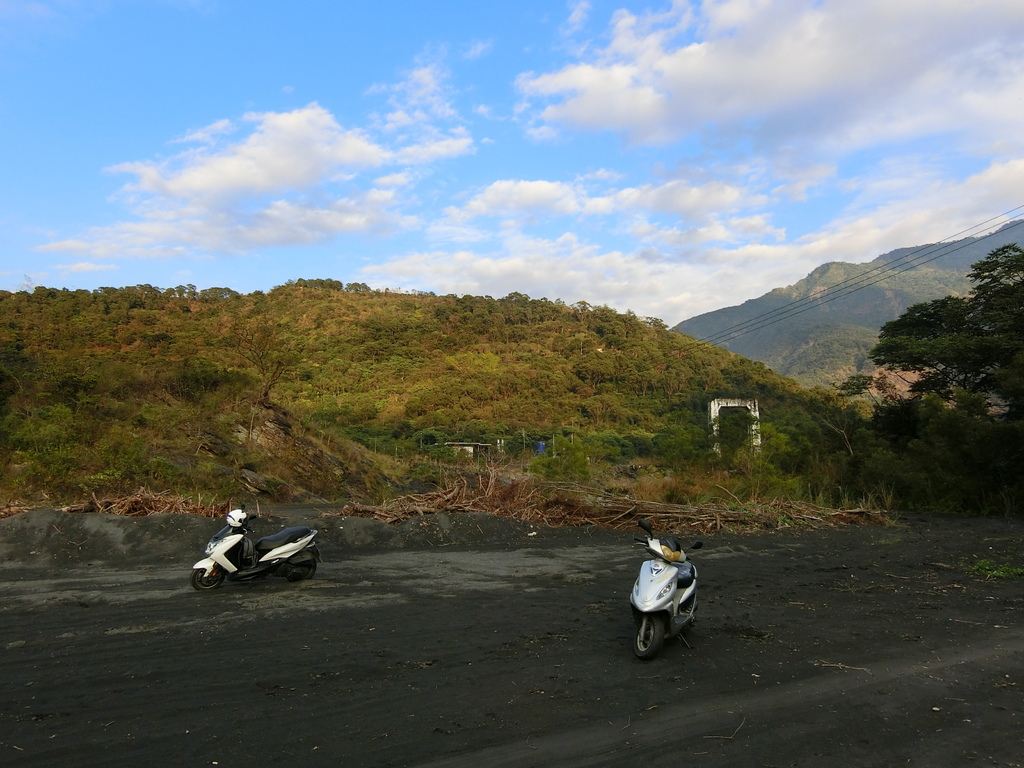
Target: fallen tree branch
528 500
143 503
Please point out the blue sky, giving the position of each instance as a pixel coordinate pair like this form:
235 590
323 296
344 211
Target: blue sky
668 158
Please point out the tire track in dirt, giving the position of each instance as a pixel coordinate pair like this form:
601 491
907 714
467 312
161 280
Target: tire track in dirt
707 730
868 645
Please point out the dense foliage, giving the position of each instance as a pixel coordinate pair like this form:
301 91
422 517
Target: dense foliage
110 389
343 392
957 437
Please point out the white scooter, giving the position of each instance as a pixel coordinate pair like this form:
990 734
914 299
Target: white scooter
664 597
291 553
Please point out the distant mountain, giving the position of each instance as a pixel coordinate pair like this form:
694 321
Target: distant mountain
820 330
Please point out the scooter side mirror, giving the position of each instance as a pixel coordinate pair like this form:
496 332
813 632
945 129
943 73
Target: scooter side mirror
697 545
645 524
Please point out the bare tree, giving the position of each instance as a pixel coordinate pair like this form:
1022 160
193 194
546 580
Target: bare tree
260 344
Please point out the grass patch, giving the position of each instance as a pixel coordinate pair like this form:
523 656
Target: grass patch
990 569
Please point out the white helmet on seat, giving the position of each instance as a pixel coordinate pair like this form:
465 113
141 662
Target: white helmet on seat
236 518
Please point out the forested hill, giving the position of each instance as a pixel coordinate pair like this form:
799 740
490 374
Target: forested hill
106 388
825 342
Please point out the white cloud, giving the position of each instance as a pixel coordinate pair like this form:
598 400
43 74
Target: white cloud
541 133
459 143
179 232
858 121
275 186
849 74
286 150
799 178
478 49
602 97
393 180
939 210
525 264
451 232
579 10
210 133
601 174
683 198
683 239
568 269
674 274
513 197
422 98
85 266
762 137
677 197
286 223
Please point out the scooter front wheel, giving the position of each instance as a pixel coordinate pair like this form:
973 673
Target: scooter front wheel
650 636
201 580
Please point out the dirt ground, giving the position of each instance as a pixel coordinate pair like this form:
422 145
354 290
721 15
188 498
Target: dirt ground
470 641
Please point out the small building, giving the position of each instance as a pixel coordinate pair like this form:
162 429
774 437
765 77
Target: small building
473 449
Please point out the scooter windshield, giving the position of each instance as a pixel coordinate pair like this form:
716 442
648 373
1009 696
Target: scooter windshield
223 533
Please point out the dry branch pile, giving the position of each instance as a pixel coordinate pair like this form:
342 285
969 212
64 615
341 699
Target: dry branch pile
12 508
143 503
523 498
517 498
558 505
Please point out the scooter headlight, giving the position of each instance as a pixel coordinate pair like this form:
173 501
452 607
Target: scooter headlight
209 548
665 590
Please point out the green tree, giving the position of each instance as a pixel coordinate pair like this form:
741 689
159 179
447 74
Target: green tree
962 343
680 445
957 440
942 343
563 460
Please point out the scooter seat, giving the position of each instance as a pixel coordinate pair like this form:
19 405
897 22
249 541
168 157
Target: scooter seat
282 537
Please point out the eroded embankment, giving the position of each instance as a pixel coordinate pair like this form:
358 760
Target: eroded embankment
46 537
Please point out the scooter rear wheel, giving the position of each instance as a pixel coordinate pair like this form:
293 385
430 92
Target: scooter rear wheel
650 636
201 581
301 572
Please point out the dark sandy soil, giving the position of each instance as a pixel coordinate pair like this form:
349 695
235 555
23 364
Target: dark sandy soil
470 641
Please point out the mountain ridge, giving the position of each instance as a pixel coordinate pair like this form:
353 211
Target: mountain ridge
820 329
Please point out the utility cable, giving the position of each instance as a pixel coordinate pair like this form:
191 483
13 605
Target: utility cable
873 276
806 304
902 264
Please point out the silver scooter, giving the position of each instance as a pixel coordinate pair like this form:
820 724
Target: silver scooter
664 597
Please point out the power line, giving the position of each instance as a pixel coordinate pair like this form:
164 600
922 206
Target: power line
850 286
909 261
915 258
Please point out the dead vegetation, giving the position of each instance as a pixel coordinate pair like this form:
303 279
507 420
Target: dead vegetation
526 499
143 503
12 508
564 505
